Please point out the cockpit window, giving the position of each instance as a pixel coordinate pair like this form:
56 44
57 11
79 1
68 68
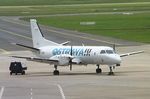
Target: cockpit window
109 51
102 52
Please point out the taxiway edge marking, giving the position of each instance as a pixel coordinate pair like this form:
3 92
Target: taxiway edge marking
3 51
61 91
31 93
83 37
1 92
12 33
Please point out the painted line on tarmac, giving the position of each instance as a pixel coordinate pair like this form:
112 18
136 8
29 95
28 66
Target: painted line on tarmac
12 33
15 22
3 51
73 35
31 93
2 91
61 91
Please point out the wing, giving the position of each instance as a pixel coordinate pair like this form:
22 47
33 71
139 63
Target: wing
77 61
37 59
28 47
131 53
61 60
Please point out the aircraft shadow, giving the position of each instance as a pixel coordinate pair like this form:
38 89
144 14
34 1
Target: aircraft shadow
44 74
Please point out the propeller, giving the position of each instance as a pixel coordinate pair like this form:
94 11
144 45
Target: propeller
70 61
114 47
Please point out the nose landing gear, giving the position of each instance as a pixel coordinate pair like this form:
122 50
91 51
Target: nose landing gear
111 71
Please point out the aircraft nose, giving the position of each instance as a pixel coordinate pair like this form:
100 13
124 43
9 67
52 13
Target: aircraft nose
118 59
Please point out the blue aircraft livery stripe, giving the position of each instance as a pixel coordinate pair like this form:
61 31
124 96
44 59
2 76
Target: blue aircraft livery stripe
75 51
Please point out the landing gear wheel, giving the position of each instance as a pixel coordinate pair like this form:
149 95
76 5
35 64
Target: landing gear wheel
111 73
10 73
98 70
56 72
23 73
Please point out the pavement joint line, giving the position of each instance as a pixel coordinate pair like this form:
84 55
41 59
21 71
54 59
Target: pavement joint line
12 33
2 91
61 91
68 34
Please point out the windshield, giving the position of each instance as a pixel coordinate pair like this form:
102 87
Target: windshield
107 52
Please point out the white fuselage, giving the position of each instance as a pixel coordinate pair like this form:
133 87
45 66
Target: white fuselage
84 54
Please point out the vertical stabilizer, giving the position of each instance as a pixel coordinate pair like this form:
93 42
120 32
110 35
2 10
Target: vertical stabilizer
37 36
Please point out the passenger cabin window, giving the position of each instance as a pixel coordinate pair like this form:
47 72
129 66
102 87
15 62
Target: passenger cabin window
102 52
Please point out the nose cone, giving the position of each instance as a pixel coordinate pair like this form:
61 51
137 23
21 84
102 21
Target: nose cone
117 59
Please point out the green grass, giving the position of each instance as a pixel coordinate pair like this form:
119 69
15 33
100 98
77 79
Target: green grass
66 9
135 27
58 2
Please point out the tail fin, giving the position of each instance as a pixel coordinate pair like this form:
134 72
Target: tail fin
38 37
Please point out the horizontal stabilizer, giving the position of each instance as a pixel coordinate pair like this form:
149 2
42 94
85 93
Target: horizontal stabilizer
28 47
65 43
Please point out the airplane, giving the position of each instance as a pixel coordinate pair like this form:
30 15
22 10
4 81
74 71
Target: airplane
50 52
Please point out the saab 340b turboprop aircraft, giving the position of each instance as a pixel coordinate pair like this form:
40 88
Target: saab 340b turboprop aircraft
62 55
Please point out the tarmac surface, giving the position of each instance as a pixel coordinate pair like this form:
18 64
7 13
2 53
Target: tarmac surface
131 79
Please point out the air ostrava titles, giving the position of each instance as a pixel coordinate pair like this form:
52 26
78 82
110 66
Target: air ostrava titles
75 51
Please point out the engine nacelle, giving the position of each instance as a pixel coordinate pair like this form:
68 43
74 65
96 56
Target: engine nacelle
63 60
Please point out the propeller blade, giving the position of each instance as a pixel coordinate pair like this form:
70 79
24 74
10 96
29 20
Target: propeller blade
114 47
70 66
71 51
70 61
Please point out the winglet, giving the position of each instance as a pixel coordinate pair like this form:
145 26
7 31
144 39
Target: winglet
28 47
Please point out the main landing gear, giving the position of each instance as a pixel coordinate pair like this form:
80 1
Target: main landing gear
56 72
98 70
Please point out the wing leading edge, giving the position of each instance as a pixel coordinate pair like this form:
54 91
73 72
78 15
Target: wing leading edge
131 53
37 59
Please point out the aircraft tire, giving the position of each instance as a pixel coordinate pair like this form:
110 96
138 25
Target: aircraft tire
56 72
111 73
10 73
23 73
98 71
